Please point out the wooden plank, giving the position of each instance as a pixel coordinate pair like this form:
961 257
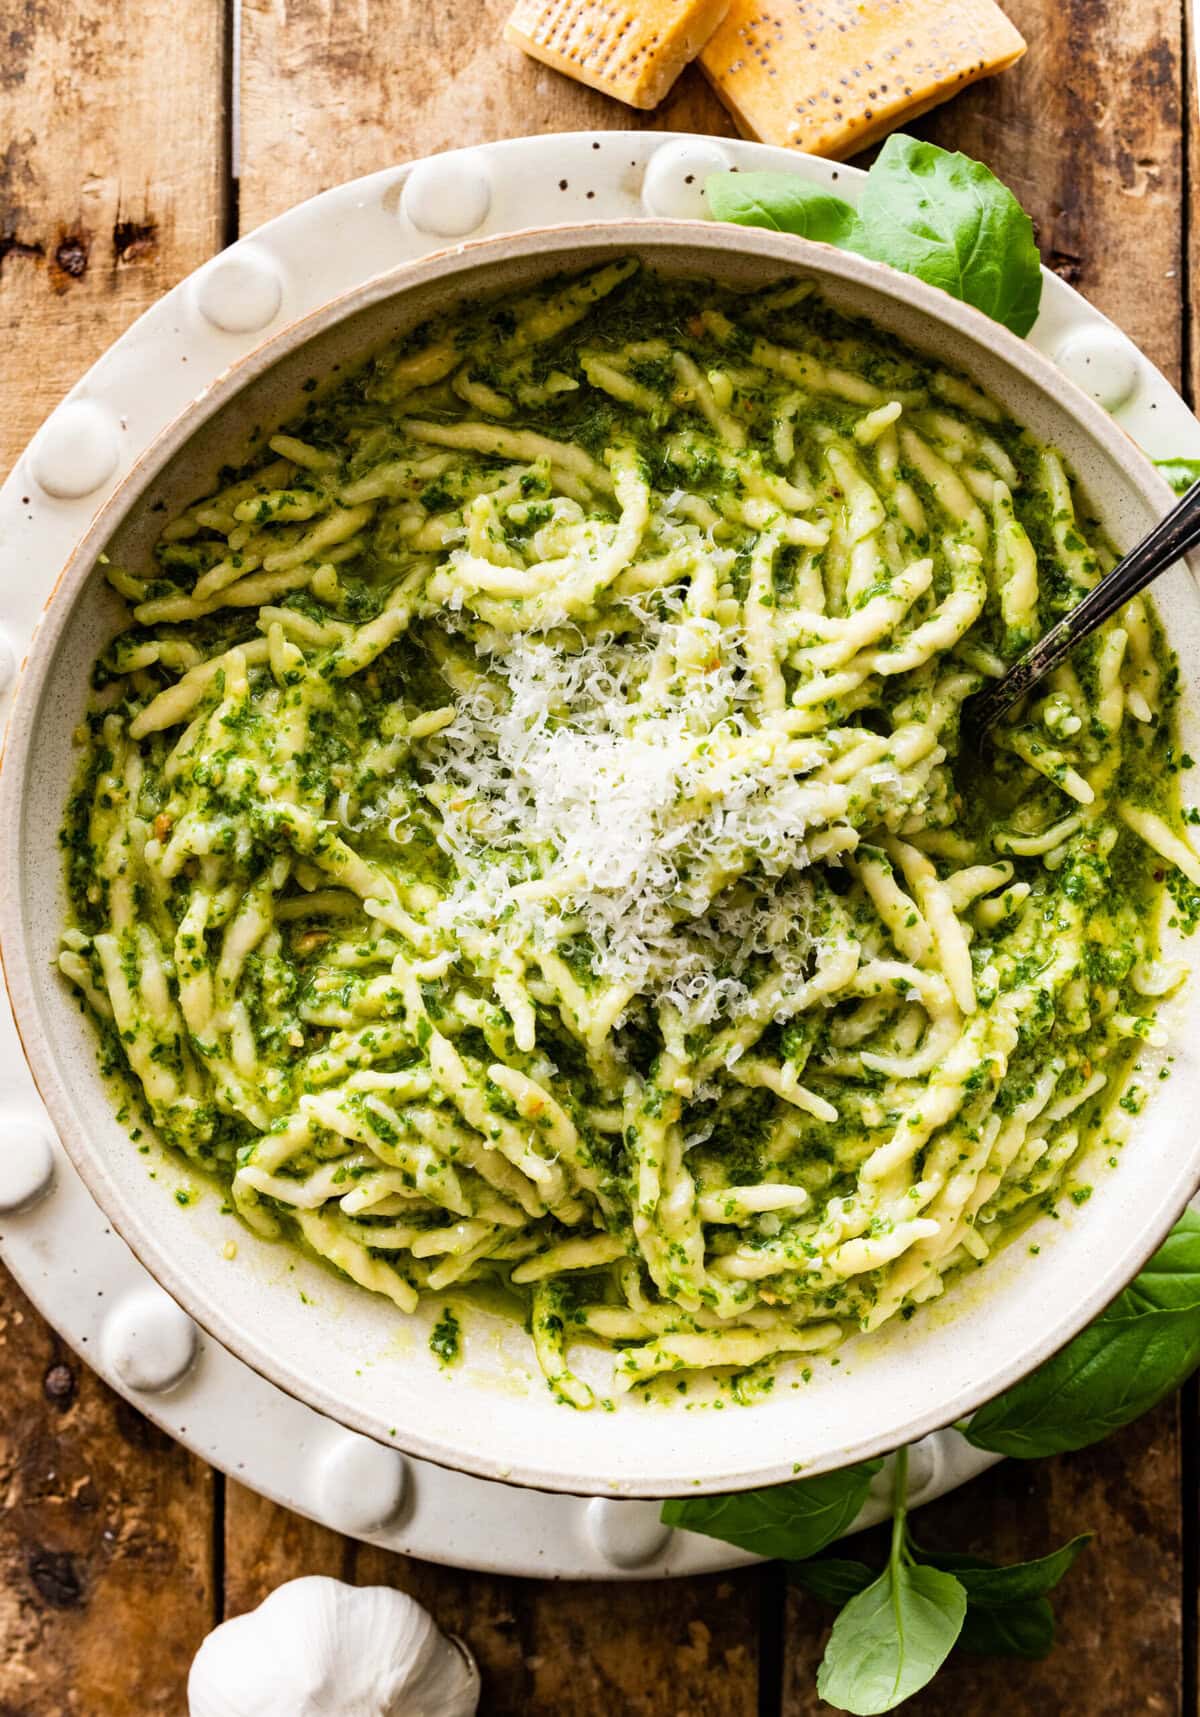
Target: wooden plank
1191 120
329 92
266 1545
111 189
106 1584
576 1648
1086 129
544 1649
112 180
1119 1647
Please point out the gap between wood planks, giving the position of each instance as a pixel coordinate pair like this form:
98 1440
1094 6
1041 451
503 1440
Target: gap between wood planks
772 1638
232 80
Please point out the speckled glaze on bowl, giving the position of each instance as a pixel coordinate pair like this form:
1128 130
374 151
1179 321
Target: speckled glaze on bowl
351 1355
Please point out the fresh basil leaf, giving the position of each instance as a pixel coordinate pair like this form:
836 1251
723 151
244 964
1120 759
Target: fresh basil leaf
953 1561
1171 1279
792 1521
781 201
988 1585
948 220
1112 1373
1180 473
892 1639
831 1579
1144 1346
1009 1630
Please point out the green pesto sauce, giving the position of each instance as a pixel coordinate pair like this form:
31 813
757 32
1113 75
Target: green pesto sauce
445 1339
300 1009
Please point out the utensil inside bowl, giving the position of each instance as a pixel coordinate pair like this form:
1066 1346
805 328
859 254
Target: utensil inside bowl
354 1357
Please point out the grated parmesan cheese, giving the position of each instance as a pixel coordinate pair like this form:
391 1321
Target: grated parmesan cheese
645 809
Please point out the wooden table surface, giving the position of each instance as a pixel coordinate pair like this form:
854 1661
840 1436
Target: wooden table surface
118 1550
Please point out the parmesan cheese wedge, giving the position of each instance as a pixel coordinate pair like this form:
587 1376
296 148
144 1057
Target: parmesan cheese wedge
832 76
631 49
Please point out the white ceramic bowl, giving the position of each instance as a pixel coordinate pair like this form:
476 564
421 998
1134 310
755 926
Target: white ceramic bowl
353 1356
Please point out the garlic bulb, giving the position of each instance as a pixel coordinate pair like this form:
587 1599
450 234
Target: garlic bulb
319 1648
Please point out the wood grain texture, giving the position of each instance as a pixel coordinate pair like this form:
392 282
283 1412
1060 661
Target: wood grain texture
106 1578
331 91
266 1545
1118 1611
544 1650
577 1649
112 173
111 189
1088 130
1191 116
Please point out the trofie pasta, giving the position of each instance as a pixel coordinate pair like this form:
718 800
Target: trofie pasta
521 840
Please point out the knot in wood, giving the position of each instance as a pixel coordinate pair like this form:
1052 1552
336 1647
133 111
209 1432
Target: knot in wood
58 1385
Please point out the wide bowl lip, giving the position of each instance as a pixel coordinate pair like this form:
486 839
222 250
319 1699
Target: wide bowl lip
458 262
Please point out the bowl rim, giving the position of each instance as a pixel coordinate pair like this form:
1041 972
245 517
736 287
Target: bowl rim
457 262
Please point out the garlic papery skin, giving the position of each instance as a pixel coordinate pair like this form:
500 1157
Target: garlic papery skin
319 1648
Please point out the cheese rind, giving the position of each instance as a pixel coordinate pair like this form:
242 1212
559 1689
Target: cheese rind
833 76
633 51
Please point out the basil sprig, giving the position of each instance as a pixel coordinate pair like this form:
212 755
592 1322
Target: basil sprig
1007 1610
896 1628
990 1587
1009 1630
894 1636
926 211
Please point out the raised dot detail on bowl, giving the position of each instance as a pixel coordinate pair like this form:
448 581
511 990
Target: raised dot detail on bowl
448 195
627 1534
880 1487
926 1461
673 187
360 1484
926 1464
26 1162
149 1341
1102 362
76 452
240 291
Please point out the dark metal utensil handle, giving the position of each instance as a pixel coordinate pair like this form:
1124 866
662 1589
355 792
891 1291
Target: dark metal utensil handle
1172 537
